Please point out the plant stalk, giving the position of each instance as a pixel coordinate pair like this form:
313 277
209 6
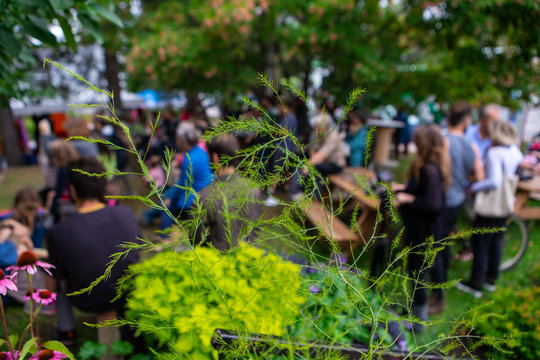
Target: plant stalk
31 313
6 329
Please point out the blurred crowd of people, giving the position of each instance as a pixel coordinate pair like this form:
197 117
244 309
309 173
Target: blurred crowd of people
82 228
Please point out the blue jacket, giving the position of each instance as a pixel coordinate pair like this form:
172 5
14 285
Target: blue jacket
196 174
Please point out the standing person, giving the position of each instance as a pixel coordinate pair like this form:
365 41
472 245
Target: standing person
327 155
479 133
195 174
502 160
169 124
284 149
421 204
80 247
58 200
402 135
46 137
79 127
466 166
357 137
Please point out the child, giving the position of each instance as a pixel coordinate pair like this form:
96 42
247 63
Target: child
27 211
156 171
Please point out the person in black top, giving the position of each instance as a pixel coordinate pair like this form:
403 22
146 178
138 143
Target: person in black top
421 204
80 247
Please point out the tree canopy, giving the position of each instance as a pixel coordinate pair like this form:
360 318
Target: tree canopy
27 24
476 50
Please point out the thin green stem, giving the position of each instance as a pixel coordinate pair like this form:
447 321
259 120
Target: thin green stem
30 314
37 323
6 329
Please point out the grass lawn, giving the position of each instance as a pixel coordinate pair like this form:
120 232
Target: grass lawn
16 178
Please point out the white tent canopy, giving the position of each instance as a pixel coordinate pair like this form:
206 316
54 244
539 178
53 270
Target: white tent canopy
55 105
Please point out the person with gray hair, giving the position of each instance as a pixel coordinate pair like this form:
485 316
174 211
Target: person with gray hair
195 174
502 160
479 133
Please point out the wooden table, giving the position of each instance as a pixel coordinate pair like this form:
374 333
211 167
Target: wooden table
383 139
354 181
346 237
524 191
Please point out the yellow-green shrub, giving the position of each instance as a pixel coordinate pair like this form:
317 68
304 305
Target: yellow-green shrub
180 299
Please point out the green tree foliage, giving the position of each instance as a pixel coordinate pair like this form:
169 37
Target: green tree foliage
26 24
481 50
221 46
478 50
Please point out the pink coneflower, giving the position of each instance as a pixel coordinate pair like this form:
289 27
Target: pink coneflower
48 355
44 296
7 283
28 261
29 294
7 355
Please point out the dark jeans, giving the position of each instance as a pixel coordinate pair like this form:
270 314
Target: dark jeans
439 271
487 251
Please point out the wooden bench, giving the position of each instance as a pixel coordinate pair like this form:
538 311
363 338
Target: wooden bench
335 229
331 226
369 204
367 201
524 191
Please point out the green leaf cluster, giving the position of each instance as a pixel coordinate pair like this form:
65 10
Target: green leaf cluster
27 24
517 319
475 50
94 350
180 299
341 310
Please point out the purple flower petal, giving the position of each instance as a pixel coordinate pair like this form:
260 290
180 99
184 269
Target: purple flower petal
313 289
403 346
30 268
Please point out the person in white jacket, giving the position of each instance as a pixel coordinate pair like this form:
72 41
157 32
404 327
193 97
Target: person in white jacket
502 159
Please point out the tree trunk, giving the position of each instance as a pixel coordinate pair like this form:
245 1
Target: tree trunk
8 134
112 68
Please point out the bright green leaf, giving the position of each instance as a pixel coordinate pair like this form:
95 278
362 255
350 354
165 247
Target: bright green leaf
106 13
58 346
29 347
58 5
92 350
10 43
121 348
37 30
13 340
68 33
92 27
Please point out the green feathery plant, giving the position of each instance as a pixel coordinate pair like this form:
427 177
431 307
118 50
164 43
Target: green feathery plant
376 299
